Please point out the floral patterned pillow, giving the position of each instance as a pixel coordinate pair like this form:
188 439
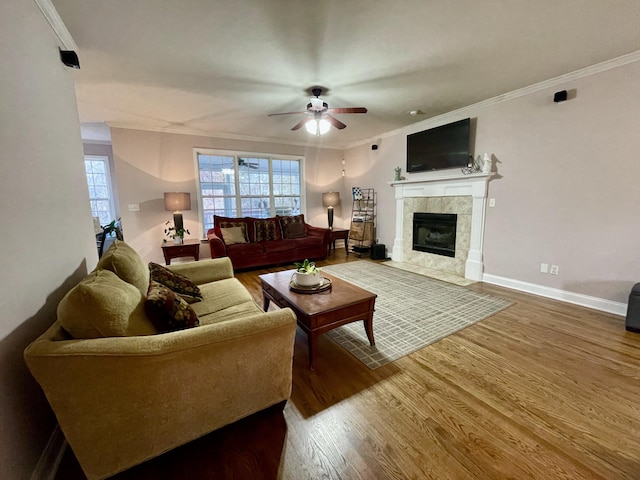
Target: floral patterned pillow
168 311
176 282
265 230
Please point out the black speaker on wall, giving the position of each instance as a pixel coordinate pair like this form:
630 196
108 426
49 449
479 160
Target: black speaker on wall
378 251
69 58
560 96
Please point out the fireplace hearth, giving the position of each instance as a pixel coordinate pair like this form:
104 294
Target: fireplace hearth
435 233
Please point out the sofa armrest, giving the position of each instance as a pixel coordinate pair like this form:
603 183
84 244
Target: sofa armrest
317 231
325 233
216 245
205 271
121 401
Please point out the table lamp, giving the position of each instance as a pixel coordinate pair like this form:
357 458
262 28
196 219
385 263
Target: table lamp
176 202
330 200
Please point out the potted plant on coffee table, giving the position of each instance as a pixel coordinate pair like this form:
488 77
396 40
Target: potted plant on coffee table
176 234
307 274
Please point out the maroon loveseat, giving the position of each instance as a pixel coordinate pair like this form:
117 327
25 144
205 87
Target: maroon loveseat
266 241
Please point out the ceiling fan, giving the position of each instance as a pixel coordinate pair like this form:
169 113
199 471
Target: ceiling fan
319 115
243 162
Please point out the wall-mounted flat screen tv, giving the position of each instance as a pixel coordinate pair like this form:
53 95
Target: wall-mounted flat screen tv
447 146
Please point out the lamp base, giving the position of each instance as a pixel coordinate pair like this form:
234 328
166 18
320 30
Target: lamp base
330 217
177 221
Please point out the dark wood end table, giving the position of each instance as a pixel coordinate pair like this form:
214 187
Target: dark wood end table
189 248
320 312
337 234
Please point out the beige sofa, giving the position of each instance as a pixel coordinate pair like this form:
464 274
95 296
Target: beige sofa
121 400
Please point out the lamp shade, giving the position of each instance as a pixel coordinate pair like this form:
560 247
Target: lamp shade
330 199
177 201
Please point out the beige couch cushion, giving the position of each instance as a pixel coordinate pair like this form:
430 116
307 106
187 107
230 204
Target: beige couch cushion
127 264
224 300
103 305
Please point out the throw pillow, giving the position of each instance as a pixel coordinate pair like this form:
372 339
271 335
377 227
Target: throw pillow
233 235
103 305
169 311
242 225
265 230
289 219
294 230
176 282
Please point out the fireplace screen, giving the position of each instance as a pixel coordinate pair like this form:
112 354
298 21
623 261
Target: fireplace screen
435 233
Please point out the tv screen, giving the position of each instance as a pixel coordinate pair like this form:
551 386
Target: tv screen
447 146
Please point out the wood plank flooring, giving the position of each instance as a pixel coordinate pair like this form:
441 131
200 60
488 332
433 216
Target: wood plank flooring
541 390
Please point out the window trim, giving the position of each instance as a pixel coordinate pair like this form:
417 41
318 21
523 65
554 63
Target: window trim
245 153
107 164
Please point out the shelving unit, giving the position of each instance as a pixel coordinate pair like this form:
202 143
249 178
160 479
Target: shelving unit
362 233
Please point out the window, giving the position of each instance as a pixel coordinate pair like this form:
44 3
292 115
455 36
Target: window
99 183
237 185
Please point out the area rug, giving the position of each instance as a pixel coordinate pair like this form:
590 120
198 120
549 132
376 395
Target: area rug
412 311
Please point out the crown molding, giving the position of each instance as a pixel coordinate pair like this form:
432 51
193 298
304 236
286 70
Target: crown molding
521 92
181 130
60 29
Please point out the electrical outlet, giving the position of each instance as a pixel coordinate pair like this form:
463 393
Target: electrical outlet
544 268
554 269
134 207
492 202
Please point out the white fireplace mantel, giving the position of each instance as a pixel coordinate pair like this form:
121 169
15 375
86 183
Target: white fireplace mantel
447 185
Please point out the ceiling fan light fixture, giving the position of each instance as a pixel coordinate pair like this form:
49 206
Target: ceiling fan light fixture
317 127
317 104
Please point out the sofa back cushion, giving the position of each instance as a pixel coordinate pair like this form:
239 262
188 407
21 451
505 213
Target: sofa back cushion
125 262
103 305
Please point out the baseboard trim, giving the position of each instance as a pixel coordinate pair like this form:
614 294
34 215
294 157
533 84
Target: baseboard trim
47 466
609 306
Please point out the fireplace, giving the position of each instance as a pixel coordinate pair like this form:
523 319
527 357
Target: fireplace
435 233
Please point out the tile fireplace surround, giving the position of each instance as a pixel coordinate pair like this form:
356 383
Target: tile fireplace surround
443 192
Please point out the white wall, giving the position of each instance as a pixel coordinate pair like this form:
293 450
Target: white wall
567 191
148 164
47 239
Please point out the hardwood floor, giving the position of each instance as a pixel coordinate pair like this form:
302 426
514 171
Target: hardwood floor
541 390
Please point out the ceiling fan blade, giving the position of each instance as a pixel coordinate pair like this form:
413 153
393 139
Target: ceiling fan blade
284 113
348 110
335 122
300 123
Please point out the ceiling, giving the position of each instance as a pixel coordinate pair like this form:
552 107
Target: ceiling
218 68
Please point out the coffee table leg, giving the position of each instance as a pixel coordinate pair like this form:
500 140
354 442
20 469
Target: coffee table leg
265 302
368 327
312 341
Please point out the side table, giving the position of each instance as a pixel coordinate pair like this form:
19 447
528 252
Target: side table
337 234
189 248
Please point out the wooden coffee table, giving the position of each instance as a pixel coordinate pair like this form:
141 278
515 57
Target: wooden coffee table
320 312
